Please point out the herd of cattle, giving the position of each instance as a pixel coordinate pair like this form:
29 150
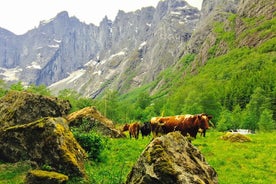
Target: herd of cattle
188 125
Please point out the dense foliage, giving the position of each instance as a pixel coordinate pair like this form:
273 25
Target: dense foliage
92 143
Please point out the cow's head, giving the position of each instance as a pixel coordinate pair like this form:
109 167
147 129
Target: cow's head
126 127
204 121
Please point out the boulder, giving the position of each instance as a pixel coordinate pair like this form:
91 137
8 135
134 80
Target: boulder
45 177
48 142
171 159
89 118
23 107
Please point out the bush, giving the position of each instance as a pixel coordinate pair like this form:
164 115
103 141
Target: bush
92 143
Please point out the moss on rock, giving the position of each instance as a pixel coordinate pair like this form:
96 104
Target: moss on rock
45 177
47 141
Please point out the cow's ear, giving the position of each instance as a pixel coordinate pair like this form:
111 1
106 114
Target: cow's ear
199 116
210 117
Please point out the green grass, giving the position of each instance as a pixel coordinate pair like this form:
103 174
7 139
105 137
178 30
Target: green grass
118 160
13 173
249 162
239 163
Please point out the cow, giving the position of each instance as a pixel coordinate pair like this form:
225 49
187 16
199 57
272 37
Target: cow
186 124
145 129
133 129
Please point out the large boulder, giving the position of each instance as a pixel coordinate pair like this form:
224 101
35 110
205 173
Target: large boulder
171 159
48 142
23 107
89 118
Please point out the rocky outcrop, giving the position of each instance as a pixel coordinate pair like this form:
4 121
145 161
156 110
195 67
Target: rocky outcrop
257 8
90 118
213 11
48 142
252 14
171 159
23 107
45 177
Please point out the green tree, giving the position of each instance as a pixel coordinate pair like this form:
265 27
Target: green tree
266 123
41 89
258 102
143 100
17 86
225 120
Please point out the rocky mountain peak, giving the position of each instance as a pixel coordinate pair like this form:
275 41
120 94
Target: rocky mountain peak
100 57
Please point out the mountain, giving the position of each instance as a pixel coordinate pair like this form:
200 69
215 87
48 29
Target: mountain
230 73
117 55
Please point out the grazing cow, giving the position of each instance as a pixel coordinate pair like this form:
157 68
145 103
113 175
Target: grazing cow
145 129
133 129
186 124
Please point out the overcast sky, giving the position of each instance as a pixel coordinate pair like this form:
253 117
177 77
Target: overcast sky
19 16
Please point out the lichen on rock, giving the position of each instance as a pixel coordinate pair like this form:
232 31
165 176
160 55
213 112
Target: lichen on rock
45 177
90 119
171 159
47 141
22 107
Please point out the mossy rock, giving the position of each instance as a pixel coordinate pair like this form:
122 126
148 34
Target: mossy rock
45 177
235 137
90 119
47 141
22 107
171 159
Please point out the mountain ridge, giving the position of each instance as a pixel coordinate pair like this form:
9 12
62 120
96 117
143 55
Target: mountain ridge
147 39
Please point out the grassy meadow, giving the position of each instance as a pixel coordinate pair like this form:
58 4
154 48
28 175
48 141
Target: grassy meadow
248 162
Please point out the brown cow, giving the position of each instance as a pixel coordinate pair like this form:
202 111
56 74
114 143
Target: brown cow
186 124
133 129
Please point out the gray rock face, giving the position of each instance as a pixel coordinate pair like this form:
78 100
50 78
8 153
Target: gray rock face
171 159
212 11
116 54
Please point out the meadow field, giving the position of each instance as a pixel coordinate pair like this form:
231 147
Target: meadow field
239 163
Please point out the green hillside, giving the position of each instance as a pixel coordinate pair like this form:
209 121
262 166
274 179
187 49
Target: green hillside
237 84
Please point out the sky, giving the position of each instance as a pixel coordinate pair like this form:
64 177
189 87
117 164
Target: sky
19 16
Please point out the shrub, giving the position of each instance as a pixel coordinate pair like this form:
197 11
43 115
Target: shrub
92 143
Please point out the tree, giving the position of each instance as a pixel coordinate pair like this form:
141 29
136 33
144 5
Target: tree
266 123
225 120
143 100
17 86
258 102
41 89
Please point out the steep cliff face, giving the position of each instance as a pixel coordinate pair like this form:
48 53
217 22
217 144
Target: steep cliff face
203 39
46 54
121 54
236 16
140 45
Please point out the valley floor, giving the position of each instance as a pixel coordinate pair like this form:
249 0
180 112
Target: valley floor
248 162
